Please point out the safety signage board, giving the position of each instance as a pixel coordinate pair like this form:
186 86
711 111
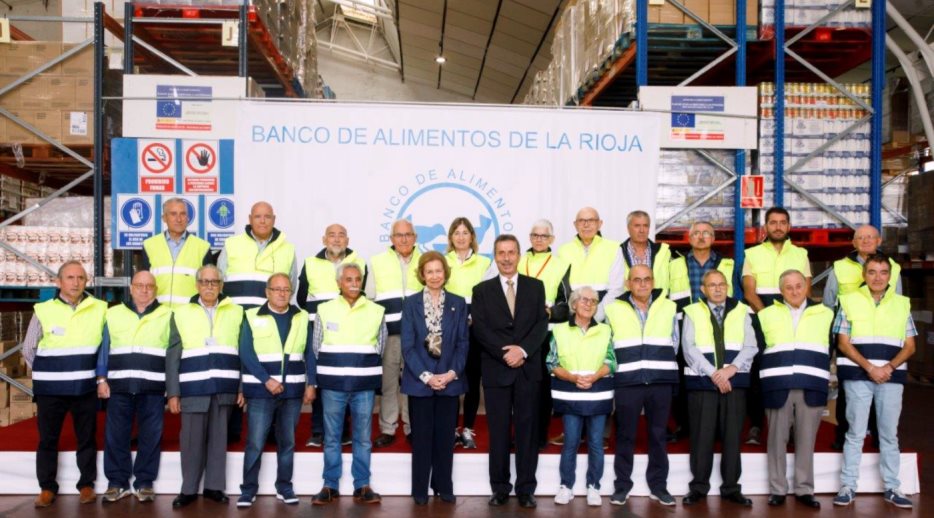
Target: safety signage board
135 220
704 117
218 220
753 187
150 171
156 165
200 166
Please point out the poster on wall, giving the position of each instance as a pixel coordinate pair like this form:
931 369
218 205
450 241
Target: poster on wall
135 220
704 116
368 165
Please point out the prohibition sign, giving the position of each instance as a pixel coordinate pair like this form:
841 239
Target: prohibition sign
201 158
157 158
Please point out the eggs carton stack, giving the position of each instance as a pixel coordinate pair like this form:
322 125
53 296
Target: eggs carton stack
50 247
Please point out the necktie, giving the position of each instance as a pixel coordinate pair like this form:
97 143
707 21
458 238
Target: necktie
719 345
511 297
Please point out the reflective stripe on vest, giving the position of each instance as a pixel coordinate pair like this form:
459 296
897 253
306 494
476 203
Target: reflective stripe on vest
643 356
877 332
348 359
680 283
391 289
175 279
66 357
137 349
210 361
248 269
799 358
532 264
849 274
582 354
321 275
767 266
466 275
734 332
590 266
275 357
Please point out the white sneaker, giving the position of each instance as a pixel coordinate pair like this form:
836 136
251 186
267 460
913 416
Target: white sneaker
564 496
593 497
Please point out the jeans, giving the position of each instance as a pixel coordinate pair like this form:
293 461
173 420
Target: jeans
335 403
260 414
888 399
118 465
572 436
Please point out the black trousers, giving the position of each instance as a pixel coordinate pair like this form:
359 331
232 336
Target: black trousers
51 412
432 419
514 405
472 397
711 412
679 403
630 401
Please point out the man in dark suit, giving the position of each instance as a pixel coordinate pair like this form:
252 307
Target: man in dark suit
510 322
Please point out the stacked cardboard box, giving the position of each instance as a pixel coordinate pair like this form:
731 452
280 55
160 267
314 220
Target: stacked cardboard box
715 12
52 247
803 13
21 405
684 177
57 102
921 215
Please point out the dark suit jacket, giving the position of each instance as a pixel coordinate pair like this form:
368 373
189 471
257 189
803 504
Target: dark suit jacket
493 327
454 339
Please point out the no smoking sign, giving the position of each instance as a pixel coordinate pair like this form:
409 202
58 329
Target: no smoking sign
156 165
200 169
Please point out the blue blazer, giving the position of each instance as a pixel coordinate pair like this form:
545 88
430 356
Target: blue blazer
454 338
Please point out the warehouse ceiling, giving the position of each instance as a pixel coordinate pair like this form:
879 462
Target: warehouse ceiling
491 48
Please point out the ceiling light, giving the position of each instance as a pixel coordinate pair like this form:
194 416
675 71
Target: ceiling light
440 60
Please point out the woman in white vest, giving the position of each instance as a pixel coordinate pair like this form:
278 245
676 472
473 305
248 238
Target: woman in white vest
581 360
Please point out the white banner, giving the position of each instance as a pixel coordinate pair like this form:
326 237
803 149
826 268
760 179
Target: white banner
367 165
712 117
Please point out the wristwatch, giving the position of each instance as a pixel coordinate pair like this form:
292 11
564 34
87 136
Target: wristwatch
101 380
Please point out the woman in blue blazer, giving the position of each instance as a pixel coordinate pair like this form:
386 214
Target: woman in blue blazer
434 352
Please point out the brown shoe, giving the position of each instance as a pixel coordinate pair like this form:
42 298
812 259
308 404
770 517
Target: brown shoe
87 495
366 495
45 498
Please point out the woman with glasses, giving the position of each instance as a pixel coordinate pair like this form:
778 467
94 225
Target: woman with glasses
467 269
434 352
582 362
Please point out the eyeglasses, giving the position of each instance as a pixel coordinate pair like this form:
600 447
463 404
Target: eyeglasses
144 286
715 285
281 291
407 235
702 233
587 300
587 221
210 282
539 236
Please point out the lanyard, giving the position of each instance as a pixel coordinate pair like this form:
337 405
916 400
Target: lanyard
540 270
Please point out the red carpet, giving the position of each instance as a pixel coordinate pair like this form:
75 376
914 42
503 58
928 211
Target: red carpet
24 436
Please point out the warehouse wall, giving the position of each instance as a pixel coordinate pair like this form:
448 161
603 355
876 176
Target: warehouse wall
43 31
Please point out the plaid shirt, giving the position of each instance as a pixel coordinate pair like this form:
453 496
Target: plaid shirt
841 324
696 272
639 259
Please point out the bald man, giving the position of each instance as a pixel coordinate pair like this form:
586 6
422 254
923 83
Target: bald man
594 261
131 374
317 284
249 259
845 278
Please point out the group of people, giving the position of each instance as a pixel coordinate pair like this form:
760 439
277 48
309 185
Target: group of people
595 331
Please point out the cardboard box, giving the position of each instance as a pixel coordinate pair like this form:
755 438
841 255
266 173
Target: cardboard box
22 57
17 396
84 94
77 127
4 417
671 14
699 7
722 12
81 64
13 132
4 395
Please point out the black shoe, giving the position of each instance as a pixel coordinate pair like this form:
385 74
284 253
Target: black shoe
420 500
692 498
383 440
776 500
182 500
448 498
527 501
315 441
346 439
233 438
216 495
808 500
738 498
325 496
499 499
366 495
